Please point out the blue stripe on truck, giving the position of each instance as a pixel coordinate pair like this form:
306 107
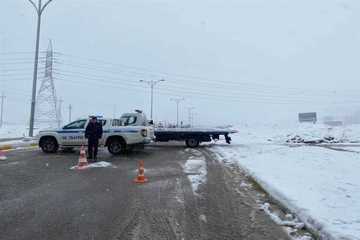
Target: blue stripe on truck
106 131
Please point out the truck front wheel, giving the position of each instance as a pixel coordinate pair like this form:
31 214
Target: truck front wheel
49 145
192 143
116 146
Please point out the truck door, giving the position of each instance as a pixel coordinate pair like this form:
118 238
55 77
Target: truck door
105 123
73 134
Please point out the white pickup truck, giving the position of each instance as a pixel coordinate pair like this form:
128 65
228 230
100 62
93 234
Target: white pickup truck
119 134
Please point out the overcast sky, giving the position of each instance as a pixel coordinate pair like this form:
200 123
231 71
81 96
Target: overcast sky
233 61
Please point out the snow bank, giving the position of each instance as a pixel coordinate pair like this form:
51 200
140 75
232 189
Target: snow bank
291 222
307 132
321 185
16 144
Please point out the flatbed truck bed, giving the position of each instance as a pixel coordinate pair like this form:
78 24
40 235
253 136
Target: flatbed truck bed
192 136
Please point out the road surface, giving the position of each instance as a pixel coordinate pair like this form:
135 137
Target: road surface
41 198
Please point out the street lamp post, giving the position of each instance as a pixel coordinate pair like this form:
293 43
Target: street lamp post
39 8
152 83
190 112
177 101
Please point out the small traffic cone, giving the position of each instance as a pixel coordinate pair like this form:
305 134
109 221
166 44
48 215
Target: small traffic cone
2 155
83 163
141 174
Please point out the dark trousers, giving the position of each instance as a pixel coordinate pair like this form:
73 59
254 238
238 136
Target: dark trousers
93 145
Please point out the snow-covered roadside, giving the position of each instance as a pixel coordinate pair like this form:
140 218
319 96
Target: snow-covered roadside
320 185
15 131
349 134
195 168
16 144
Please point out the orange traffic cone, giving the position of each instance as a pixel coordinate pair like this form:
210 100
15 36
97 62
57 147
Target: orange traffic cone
2 155
141 174
83 163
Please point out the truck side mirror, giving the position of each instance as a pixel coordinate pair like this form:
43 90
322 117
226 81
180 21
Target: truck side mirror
151 122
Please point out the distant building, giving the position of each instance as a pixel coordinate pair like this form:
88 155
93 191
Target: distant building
308 117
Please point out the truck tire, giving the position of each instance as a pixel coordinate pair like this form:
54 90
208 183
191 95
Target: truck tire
49 145
192 142
116 146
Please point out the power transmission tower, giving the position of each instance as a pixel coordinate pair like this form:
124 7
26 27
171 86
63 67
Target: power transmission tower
177 101
47 112
39 8
2 109
70 109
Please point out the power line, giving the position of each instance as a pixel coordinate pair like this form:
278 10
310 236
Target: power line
187 77
17 70
175 87
170 92
2 109
19 60
100 80
210 96
17 91
19 53
215 84
206 90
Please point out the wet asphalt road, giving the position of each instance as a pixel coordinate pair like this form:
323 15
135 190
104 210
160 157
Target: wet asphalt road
41 198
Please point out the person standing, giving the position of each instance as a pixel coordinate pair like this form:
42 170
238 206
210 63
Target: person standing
93 133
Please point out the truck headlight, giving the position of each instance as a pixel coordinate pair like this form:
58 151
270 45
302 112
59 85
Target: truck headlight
144 132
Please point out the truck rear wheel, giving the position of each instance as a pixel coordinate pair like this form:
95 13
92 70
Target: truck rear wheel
49 145
116 146
192 143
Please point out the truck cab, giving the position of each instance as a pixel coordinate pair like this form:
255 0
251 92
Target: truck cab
138 118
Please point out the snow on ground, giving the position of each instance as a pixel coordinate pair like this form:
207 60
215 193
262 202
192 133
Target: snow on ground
101 164
309 132
290 222
195 168
21 143
15 131
321 185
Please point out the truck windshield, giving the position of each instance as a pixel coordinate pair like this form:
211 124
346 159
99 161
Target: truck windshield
79 124
128 120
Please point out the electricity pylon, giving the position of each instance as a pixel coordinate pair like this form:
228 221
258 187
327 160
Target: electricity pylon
47 111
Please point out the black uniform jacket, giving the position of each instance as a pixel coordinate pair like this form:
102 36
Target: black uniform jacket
94 131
